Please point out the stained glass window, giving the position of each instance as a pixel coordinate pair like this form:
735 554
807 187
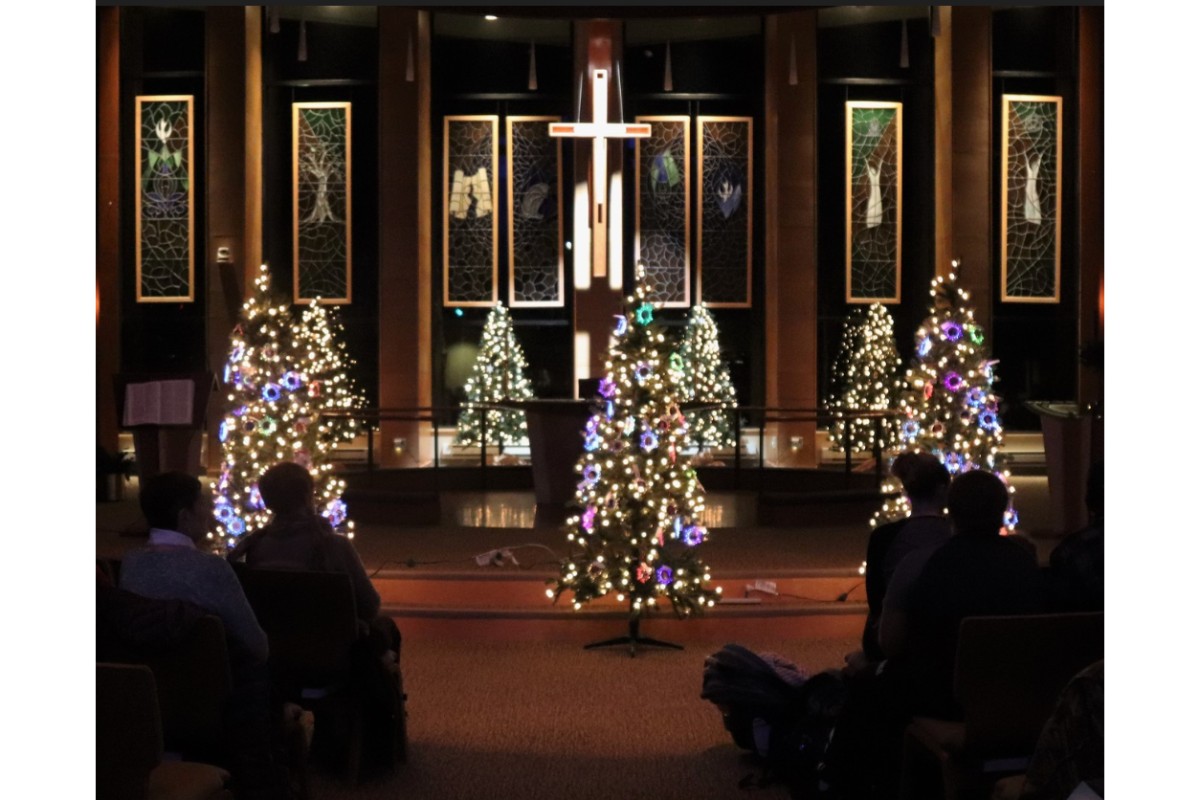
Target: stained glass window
725 199
469 228
874 183
1031 238
535 259
321 209
165 192
663 222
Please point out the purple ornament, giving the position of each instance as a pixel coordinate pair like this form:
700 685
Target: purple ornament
664 574
588 520
335 512
953 462
693 535
607 388
292 381
591 474
953 381
649 441
952 330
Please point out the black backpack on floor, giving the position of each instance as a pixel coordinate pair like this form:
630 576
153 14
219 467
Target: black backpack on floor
774 712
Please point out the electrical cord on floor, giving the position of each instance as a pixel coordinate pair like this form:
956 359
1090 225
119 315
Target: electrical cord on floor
495 557
841 598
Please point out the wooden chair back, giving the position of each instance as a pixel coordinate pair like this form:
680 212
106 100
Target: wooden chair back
1010 671
309 619
128 730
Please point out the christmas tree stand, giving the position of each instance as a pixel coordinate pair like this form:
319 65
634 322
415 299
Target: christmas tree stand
633 640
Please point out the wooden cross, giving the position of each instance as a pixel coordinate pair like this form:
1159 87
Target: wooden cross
599 130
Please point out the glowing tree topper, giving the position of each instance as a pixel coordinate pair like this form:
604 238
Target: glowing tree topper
864 379
946 396
638 528
282 378
497 377
706 380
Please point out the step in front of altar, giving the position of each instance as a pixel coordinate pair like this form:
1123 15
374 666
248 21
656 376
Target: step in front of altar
493 605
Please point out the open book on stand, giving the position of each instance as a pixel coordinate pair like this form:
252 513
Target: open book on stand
159 403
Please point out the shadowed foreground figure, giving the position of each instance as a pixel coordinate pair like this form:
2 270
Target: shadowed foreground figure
977 572
298 538
172 567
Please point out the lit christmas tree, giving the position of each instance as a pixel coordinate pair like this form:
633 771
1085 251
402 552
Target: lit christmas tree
280 376
947 399
706 380
640 500
864 379
497 377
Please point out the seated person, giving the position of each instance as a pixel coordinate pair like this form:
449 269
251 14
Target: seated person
977 572
1077 563
172 567
925 481
298 538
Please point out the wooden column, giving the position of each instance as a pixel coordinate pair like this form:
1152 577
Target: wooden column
405 231
597 46
1091 193
943 145
791 234
971 154
233 172
108 222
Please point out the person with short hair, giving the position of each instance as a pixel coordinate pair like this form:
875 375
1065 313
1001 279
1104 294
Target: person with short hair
300 538
977 572
173 567
925 481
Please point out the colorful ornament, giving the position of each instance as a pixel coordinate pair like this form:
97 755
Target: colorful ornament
292 381
335 512
642 372
649 440
644 572
928 390
1011 518
693 535
952 330
645 314
235 526
607 388
588 519
622 325
953 462
267 426
591 474
665 574
591 442
953 381
271 392
924 346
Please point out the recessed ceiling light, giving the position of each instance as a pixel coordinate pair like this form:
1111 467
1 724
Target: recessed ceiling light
490 17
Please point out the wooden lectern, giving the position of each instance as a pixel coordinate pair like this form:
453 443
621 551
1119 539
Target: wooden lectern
166 414
555 444
1073 437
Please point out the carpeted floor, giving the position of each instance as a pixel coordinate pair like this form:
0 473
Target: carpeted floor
550 721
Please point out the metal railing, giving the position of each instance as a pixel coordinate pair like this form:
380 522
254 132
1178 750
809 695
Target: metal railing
372 419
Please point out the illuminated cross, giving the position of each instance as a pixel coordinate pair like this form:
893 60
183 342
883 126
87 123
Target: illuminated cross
599 130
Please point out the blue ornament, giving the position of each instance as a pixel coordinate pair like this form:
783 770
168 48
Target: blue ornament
609 409
649 441
910 429
664 574
271 392
222 511
236 526
988 420
693 535
953 462
1011 518
591 474
292 381
591 442
223 431
622 325
924 346
335 512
